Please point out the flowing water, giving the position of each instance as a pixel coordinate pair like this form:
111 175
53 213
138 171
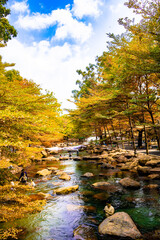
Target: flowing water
60 216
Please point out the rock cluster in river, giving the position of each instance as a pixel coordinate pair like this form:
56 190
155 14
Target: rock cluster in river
119 224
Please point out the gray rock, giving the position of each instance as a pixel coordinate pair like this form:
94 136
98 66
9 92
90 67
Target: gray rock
119 224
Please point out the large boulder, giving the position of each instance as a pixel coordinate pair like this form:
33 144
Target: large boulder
43 172
119 224
129 183
66 190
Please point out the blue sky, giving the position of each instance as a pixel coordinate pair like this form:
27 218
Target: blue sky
55 38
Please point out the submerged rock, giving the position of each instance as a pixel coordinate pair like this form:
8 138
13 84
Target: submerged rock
119 224
101 196
84 232
66 190
73 207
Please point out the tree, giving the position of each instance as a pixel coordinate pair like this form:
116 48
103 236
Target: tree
28 117
6 30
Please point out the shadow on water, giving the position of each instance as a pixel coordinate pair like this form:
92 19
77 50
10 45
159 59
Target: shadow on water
64 213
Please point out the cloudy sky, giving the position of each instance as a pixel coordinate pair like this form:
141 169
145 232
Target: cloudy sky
57 37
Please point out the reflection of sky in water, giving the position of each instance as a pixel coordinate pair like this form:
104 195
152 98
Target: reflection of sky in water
57 221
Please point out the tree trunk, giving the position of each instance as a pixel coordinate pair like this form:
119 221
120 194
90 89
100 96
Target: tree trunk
121 135
155 129
114 133
109 137
140 138
132 136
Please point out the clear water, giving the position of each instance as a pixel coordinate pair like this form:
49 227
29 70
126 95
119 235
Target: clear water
56 221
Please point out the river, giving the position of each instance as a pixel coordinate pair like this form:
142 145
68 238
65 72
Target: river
61 216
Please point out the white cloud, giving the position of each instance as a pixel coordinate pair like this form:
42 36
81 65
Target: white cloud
117 8
68 27
87 8
53 67
76 30
20 7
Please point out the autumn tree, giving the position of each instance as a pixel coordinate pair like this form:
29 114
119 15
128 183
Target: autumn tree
28 116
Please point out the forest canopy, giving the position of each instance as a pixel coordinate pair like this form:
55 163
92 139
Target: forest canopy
119 96
29 117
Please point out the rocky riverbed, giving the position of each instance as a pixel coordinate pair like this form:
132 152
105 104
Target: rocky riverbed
78 188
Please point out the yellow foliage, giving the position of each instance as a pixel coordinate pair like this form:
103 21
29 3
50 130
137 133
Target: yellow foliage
17 202
11 232
4 162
